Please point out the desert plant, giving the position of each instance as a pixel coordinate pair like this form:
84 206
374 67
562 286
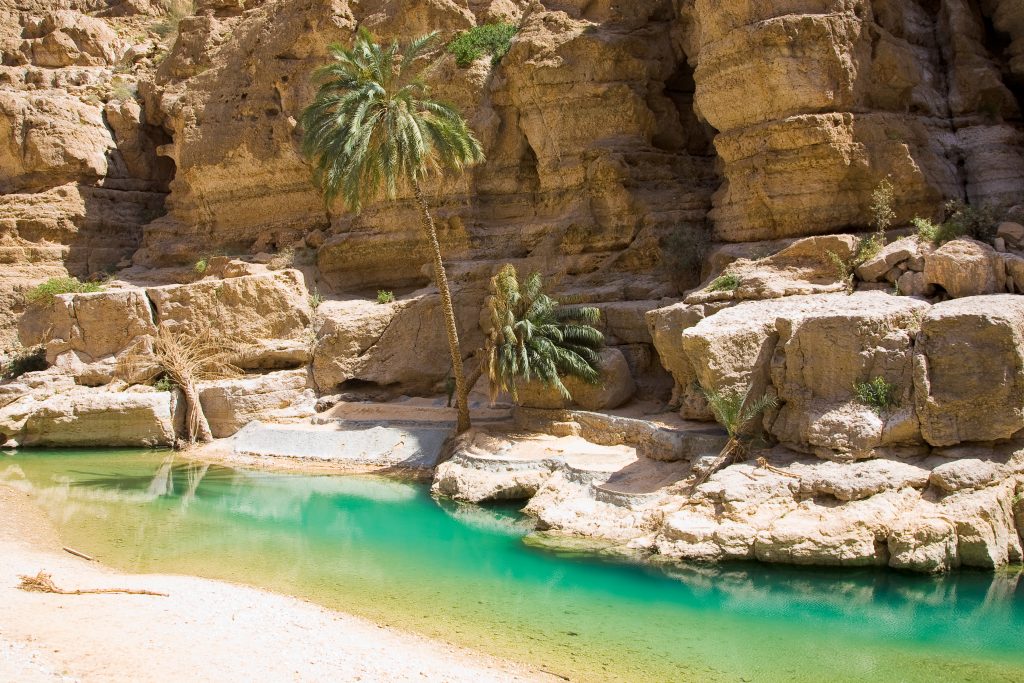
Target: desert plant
315 299
532 336
174 12
882 214
373 129
200 266
960 220
736 411
44 293
490 39
385 297
164 383
121 89
726 282
21 360
185 357
877 394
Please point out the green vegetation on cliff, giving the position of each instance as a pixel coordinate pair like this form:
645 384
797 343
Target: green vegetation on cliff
490 39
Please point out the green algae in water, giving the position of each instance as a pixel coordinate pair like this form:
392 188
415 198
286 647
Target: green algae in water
385 550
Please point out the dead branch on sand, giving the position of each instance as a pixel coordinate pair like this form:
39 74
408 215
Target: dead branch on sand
42 583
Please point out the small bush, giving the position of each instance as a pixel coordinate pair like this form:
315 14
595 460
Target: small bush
882 214
43 294
22 361
491 39
315 299
961 220
727 282
201 265
385 297
877 394
164 383
175 11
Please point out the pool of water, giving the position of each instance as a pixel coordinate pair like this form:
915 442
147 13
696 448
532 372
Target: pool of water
386 550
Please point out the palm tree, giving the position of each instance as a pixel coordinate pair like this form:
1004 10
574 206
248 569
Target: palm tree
533 337
736 412
373 130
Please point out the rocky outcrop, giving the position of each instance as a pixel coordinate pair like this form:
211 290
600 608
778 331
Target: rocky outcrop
969 370
231 404
615 387
84 417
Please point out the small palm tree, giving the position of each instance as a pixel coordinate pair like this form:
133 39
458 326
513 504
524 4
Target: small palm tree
736 412
373 130
533 337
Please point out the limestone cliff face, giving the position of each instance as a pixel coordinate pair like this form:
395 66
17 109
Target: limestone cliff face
79 173
619 136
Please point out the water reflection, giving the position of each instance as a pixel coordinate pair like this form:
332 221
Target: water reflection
387 550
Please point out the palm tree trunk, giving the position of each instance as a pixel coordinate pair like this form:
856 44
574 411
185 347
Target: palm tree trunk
461 391
197 428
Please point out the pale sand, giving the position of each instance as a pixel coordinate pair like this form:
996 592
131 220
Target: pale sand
204 631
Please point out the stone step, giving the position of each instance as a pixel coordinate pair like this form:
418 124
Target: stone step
417 446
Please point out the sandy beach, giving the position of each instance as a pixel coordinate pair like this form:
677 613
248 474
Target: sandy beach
204 631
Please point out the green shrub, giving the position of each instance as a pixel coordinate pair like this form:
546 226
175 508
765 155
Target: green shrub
164 383
174 12
315 299
726 282
201 265
491 39
22 361
385 297
882 214
877 394
961 220
43 294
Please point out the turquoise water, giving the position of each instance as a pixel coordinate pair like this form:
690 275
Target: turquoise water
386 550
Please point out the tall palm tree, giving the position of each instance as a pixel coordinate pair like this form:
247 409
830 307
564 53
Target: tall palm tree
373 130
533 337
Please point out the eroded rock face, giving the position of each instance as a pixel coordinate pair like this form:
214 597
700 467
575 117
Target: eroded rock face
966 267
85 417
968 376
231 404
270 311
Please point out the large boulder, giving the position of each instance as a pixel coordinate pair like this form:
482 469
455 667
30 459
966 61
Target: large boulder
269 310
969 370
824 353
83 417
94 325
966 267
667 326
230 404
804 267
66 38
402 344
890 256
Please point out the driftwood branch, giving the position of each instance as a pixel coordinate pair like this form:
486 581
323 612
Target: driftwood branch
78 553
42 583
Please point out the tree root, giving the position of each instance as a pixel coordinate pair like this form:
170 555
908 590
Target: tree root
763 462
42 583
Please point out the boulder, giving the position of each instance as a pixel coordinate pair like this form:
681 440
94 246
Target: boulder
968 473
732 349
401 344
281 396
969 370
616 387
823 353
93 325
891 255
66 38
666 327
965 267
803 267
1012 233
84 417
270 310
